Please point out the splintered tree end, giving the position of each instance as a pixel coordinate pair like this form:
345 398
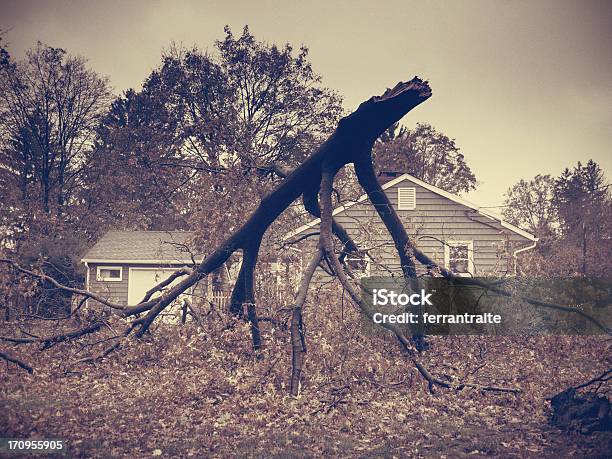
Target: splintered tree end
379 112
421 87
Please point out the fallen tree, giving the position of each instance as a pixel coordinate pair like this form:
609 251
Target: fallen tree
16 361
312 181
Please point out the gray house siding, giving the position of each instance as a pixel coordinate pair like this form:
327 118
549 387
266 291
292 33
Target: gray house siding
117 292
435 220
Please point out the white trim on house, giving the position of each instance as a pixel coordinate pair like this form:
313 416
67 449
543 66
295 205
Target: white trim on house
109 279
486 213
139 262
470 256
87 284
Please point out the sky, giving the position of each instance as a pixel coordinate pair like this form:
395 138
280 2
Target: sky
524 87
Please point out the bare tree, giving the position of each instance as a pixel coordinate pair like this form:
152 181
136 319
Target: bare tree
50 105
531 205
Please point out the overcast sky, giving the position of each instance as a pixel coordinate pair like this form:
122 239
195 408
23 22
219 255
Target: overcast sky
523 86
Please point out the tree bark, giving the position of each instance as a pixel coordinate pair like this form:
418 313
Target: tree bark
243 293
298 340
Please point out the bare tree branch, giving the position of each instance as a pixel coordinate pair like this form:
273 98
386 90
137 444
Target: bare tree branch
15 360
176 274
56 284
377 196
298 340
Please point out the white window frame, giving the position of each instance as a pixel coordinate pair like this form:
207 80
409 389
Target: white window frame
109 279
400 204
470 246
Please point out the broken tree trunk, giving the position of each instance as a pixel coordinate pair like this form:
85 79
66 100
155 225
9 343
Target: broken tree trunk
353 138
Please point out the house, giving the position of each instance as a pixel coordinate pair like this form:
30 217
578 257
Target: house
459 235
465 238
123 265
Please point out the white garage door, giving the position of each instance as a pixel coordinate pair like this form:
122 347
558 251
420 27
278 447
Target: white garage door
143 279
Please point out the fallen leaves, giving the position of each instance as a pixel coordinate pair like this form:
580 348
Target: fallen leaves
182 393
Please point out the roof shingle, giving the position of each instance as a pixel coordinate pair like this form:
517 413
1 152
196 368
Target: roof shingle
143 246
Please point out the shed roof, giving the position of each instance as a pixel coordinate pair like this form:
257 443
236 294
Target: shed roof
148 247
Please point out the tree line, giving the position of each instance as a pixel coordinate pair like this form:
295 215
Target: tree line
572 216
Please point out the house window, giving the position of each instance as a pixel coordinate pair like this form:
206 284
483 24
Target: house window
459 257
109 273
359 265
406 198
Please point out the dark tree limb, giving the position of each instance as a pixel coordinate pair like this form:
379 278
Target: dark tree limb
250 261
602 378
15 360
310 200
377 196
243 293
157 288
404 247
298 340
311 203
13 340
238 292
51 341
433 381
327 244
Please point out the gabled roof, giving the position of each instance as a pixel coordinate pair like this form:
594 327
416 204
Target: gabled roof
407 177
146 247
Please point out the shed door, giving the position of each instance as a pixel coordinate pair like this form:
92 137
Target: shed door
143 279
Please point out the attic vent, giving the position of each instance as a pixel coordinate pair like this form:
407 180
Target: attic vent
406 198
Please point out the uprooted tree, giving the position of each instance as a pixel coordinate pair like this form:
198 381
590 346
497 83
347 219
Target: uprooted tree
312 181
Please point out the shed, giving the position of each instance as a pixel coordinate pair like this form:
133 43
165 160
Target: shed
123 265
